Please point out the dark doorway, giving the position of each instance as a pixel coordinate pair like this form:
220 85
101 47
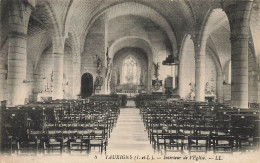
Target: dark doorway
86 85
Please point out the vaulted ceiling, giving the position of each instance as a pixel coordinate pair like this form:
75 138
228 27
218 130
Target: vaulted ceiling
177 17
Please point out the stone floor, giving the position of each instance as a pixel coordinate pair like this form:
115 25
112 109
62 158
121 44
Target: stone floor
129 135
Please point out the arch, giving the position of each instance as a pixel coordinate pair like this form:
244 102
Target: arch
51 15
133 42
86 89
117 81
51 22
255 29
48 17
75 45
132 8
187 73
69 16
214 19
255 42
219 77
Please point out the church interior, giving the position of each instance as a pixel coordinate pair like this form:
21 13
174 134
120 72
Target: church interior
158 76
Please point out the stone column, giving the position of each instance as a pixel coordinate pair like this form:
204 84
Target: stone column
219 89
149 77
3 73
76 76
239 54
19 14
57 92
258 92
173 74
200 58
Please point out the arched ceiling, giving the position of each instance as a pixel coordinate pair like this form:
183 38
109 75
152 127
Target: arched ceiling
179 14
131 8
217 31
220 39
179 17
217 19
132 25
131 42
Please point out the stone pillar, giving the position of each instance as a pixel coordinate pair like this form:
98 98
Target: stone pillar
57 92
149 77
200 58
219 89
76 76
258 92
3 74
173 74
239 53
258 80
107 78
19 14
187 50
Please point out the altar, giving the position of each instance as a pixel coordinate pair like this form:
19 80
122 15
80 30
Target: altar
44 96
130 90
210 97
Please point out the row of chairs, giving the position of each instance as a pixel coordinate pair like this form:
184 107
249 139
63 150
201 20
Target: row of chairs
57 129
210 124
195 143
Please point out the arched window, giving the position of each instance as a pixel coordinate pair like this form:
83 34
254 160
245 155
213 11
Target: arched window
129 71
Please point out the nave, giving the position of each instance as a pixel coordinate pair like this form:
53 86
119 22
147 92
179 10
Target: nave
104 77
129 136
104 125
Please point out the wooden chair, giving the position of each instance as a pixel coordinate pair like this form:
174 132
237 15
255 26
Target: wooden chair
244 138
75 145
28 147
224 142
54 142
97 139
173 143
198 143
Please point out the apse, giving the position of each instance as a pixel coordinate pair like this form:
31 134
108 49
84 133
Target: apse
129 74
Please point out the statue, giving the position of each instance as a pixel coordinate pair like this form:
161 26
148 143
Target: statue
141 78
118 77
209 89
99 64
108 67
156 69
192 91
157 84
98 82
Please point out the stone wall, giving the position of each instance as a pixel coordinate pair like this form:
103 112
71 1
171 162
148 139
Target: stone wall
44 71
94 46
211 74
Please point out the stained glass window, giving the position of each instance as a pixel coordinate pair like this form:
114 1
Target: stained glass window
129 71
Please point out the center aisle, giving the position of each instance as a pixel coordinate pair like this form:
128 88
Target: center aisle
129 135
